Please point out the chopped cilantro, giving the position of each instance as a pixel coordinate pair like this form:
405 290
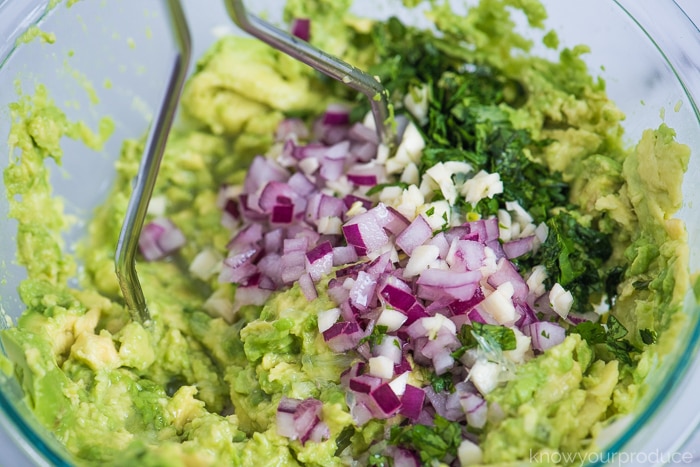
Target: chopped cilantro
442 382
612 335
648 336
495 336
431 443
430 211
376 336
377 460
574 255
379 187
344 439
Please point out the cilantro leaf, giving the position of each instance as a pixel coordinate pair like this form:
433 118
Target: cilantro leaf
612 336
648 336
442 382
573 255
376 336
493 336
344 439
430 443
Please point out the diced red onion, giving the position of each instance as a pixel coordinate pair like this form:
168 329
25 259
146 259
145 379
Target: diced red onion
344 255
343 336
545 335
291 128
417 233
336 114
301 28
506 272
159 238
519 247
363 232
412 402
386 400
475 408
319 261
261 171
307 286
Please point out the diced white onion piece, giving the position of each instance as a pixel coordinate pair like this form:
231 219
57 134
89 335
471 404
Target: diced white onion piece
535 281
416 102
469 453
309 165
433 324
330 225
561 300
519 213
390 347
381 367
383 152
482 185
523 349
505 224
392 319
443 177
421 257
410 174
157 205
398 384
485 375
440 214
499 304
412 142
205 264
327 318
355 209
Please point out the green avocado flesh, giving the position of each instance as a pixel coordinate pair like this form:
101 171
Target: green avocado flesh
201 384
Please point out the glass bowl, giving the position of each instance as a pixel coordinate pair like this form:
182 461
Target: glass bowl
646 51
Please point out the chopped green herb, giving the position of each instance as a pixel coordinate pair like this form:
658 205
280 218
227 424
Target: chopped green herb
377 460
379 187
430 211
376 336
430 443
612 335
344 439
442 382
495 337
648 336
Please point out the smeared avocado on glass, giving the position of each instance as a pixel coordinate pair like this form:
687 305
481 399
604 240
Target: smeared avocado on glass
497 285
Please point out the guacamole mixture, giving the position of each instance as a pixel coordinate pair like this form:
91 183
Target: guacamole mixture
496 285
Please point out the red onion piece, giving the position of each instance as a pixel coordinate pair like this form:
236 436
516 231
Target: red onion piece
301 28
397 298
386 400
417 233
364 383
343 336
475 408
363 232
412 402
336 114
319 261
159 238
506 272
344 255
261 171
291 128
519 247
306 283
545 335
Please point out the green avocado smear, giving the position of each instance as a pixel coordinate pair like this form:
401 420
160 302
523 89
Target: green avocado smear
201 385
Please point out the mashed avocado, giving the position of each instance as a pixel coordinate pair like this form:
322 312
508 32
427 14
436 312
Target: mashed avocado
202 384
